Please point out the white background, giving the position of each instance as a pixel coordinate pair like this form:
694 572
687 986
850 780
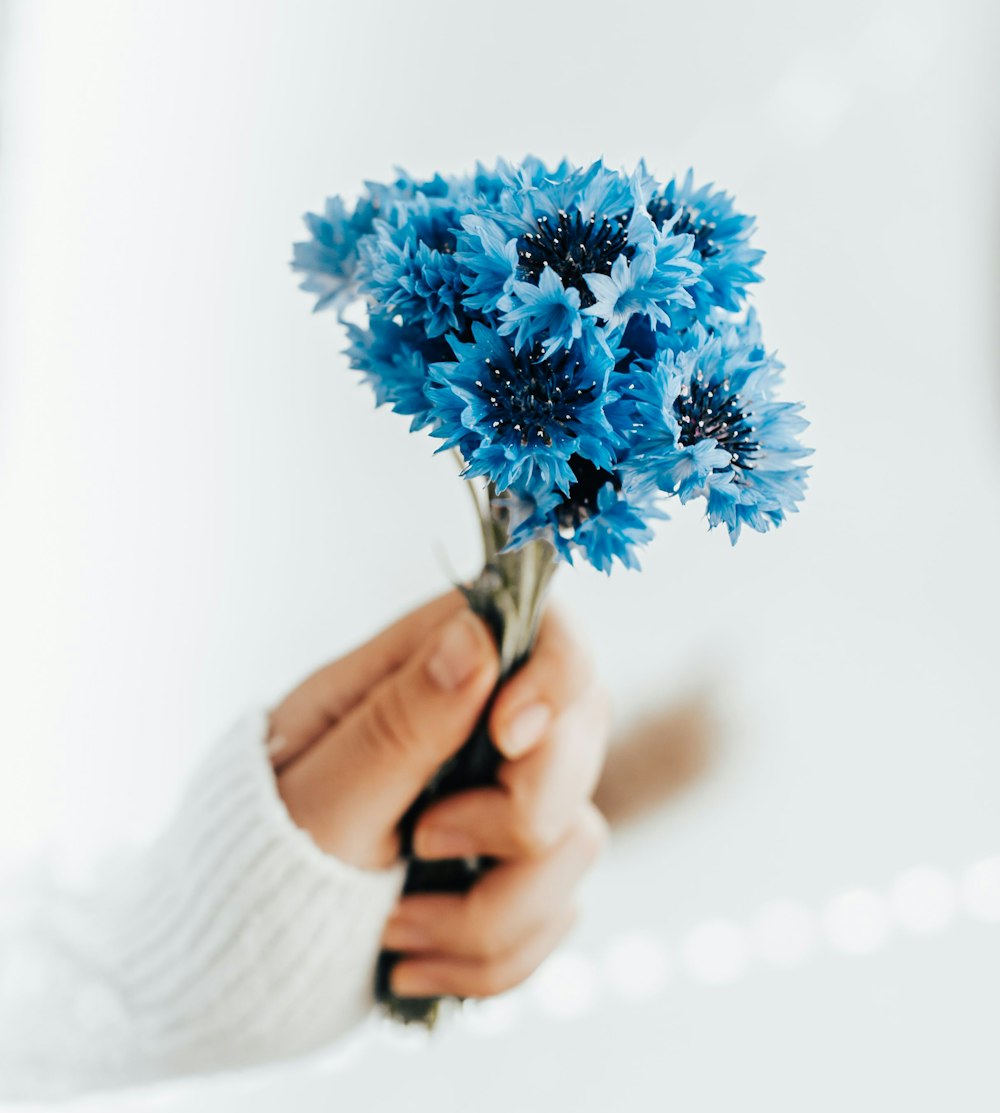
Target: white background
198 504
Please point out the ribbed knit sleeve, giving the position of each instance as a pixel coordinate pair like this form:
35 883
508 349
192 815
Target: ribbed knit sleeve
234 940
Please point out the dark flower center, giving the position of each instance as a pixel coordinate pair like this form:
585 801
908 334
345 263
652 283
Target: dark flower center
437 228
710 410
662 209
572 247
536 395
638 340
581 501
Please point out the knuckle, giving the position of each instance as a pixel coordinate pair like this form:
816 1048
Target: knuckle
534 830
480 929
489 943
534 825
518 968
528 842
389 726
493 978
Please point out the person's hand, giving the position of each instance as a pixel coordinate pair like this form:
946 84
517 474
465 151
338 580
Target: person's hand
355 744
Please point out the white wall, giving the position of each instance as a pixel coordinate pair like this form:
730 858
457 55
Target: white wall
198 503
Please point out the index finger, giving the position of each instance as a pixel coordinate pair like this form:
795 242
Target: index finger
330 693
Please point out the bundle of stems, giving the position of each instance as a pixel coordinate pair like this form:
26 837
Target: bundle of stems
509 595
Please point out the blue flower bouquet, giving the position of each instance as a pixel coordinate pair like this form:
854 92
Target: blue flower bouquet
580 337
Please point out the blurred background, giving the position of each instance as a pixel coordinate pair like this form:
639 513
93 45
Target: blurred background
199 504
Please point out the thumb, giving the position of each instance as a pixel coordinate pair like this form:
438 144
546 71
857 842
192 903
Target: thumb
350 789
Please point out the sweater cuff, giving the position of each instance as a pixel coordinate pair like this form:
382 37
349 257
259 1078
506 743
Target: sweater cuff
277 939
234 940
246 746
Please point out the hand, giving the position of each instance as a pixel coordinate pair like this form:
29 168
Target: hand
360 739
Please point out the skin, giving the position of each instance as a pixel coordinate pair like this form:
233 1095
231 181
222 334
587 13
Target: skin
354 744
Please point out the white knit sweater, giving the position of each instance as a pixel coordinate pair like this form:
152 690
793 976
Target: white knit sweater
234 940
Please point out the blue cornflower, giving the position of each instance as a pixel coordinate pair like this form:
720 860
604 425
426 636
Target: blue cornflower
601 517
488 258
548 311
590 230
575 228
711 428
650 284
534 173
486 184
393 357
522 414
721 239
408 266
417 282
330 258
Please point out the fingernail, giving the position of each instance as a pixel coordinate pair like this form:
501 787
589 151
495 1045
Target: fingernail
403 935
276 744
411 979
442 842
525 729
458 654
